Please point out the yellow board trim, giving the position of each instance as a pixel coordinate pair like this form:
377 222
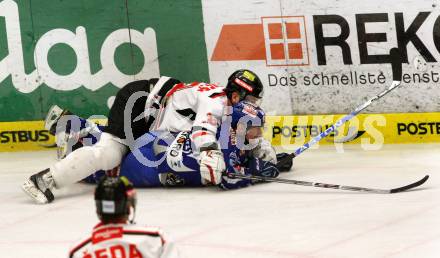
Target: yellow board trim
28 136
365 128
280 130
24 136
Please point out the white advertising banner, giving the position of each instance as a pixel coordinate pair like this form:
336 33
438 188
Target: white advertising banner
321 57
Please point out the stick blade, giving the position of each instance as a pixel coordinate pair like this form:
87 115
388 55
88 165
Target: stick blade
396 64
410 186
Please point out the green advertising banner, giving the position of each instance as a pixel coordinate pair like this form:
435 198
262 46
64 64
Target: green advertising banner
76 54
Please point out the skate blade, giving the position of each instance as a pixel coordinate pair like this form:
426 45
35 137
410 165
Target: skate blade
32 191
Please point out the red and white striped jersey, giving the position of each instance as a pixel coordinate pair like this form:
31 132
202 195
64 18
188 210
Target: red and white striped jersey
196 106
124 240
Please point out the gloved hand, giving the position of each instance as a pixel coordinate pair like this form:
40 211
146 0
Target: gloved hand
212 165
286 166
265 151
259 167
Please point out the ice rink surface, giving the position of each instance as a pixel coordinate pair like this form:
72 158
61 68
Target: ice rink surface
266 220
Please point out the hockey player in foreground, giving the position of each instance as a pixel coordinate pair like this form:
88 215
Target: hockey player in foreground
162 104
114 236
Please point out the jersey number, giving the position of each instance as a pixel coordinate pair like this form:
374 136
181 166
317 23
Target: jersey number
206 87
115 252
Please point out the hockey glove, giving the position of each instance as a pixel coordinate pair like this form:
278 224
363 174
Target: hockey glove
212 165
286 166
259 167
265 151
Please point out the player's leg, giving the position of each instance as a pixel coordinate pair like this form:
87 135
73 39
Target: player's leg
71 131
106 154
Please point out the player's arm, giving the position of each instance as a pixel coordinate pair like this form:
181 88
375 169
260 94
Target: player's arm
209 114
252 166
169 249
208 118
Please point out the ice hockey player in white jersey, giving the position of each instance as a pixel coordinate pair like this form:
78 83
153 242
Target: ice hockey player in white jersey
156 104
114 236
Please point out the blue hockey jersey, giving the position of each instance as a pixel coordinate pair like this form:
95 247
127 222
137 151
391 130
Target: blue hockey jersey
167 159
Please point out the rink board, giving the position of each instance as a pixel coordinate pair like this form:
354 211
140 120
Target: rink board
365 129
24 136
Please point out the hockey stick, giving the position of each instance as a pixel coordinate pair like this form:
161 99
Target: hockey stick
332 186
396 66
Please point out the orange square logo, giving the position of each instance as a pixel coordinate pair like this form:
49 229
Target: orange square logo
285 41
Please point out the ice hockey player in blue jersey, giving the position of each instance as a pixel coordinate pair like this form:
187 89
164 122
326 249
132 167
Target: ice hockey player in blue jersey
177 163
168 159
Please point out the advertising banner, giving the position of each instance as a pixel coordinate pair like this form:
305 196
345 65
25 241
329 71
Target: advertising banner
24 135
76 54
369 130
314 57
327 57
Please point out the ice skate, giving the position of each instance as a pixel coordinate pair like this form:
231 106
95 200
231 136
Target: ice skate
52 117
39 186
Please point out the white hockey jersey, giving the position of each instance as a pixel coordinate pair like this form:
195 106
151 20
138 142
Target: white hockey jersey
124 240
196 106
